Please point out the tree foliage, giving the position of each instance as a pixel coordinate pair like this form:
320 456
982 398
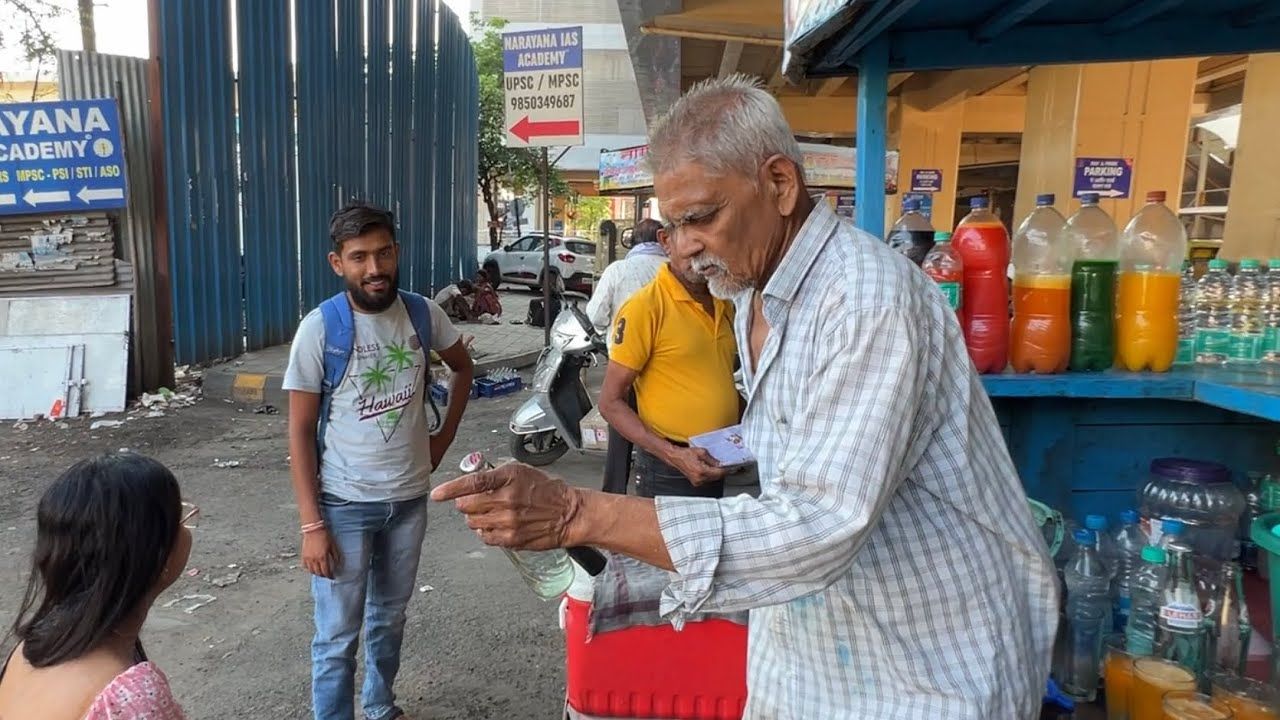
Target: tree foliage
28 27
589 212
500 167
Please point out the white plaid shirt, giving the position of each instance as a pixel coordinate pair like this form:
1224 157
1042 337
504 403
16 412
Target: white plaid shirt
891 563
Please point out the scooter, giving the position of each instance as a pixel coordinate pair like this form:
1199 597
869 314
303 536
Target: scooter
549 423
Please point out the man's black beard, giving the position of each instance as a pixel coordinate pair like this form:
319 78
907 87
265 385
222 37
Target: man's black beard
374 303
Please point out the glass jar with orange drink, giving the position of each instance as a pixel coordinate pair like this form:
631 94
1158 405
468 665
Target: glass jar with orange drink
1152 248
1190 705
1248 699
1117 672
1152 678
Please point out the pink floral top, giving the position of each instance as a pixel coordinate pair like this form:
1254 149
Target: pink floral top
139 693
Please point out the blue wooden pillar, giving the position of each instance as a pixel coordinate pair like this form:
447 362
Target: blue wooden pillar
873 106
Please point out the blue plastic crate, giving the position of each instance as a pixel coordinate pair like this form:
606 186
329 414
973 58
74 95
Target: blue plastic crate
440 392
497 388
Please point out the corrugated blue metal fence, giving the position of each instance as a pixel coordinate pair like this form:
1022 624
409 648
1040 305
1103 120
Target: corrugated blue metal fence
380 105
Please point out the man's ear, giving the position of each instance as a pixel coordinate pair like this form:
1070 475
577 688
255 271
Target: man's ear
782 175
335 262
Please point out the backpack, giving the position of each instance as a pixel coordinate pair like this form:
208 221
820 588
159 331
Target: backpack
339 342
535 316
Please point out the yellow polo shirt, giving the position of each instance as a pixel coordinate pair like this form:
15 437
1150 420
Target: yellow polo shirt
683 355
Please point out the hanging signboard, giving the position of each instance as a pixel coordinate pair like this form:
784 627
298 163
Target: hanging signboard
825 166
624 169
1109 177
542 81
60 156
807 23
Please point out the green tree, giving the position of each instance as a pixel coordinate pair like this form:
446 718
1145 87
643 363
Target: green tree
589 212
500 167
29 27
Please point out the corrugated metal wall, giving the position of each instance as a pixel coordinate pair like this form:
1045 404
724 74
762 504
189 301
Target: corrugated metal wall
83 76
400 135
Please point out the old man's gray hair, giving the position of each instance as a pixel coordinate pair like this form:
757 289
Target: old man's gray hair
726 126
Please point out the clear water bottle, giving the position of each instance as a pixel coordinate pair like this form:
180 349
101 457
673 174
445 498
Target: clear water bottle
1247 297
1105 544
1213 315
912 235
1088 614
1147 588
1181 634
1186 316
1171 531
1271 314
1129 542
1227 616
549 573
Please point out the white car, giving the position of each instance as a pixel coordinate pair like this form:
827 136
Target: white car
573 261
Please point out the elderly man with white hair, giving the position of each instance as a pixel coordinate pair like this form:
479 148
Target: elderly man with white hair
891 565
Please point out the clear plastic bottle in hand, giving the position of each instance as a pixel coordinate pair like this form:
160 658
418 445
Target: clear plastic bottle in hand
549 573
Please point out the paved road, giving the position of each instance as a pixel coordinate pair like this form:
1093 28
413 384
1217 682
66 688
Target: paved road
478 644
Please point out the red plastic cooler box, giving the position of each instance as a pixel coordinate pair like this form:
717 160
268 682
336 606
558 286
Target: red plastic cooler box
699 673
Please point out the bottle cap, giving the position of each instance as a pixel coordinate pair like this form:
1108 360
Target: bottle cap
1089 198
1083 536
1178 548
1276 531
1156 196
1273 263
910 204
1249 264
942 236
1170 526
1044 199
1153 554
1129 517
1095 522
978 201
1217 264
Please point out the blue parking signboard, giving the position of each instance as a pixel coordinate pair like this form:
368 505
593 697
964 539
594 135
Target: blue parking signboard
1109 177
61 156
926 180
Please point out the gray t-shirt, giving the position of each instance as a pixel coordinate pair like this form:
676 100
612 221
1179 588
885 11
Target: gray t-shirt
377 445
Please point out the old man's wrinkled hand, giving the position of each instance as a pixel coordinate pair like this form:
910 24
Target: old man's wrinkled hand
514 506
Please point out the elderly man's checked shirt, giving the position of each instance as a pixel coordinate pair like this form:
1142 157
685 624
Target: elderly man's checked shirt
891 564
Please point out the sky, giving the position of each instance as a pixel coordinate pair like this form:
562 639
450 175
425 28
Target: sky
121 27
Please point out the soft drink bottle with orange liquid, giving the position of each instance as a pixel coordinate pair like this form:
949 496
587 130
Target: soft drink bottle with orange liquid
1152 248
983 244
1040 332
943 264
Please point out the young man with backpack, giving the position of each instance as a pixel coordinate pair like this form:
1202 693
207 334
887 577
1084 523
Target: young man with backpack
362 447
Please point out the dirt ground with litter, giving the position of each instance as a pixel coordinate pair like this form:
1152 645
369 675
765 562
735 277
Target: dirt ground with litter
477 645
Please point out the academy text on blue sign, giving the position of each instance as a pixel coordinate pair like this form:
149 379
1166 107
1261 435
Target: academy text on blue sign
59 156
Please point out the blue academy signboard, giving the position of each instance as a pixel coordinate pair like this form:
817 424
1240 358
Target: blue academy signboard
60 156
1109 177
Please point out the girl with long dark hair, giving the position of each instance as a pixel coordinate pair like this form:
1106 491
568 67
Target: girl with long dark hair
111 535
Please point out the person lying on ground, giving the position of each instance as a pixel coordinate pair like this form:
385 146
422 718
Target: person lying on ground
456 301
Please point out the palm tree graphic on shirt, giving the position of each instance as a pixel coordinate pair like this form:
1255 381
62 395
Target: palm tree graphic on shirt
387 386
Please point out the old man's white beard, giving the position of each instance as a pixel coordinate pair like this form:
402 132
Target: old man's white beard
722 283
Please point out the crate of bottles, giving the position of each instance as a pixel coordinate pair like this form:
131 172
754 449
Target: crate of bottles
499 382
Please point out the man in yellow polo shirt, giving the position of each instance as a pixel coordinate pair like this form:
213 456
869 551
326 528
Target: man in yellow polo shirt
673 342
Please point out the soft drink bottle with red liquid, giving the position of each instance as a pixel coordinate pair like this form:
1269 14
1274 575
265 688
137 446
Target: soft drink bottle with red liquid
943 264
983 244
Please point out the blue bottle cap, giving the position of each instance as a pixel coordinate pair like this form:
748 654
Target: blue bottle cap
1089 198
910 204
979 201
1095 522
1083 536
1044 199
1169 526
1129 517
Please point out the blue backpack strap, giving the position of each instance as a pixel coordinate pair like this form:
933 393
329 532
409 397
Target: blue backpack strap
339 341
420 318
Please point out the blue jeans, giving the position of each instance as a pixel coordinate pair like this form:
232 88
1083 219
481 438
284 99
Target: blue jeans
378 546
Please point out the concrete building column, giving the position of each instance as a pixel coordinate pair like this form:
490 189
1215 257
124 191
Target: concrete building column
1253 208
1139 110
927 140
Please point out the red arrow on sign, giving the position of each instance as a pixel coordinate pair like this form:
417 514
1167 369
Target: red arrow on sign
525 129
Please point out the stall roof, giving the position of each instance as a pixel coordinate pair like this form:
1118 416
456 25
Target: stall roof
945 34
